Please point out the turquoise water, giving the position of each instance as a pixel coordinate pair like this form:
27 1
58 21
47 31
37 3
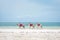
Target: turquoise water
26 23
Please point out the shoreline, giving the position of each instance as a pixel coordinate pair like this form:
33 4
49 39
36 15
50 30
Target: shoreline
27 27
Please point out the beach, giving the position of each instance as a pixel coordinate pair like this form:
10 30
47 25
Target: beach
29 34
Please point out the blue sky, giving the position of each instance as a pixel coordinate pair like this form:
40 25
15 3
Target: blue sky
29 10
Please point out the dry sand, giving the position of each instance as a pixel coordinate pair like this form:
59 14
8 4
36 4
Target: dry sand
29 34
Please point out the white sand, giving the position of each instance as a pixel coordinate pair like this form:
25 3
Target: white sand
29 34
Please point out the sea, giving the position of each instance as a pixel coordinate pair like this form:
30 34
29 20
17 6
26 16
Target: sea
44 24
